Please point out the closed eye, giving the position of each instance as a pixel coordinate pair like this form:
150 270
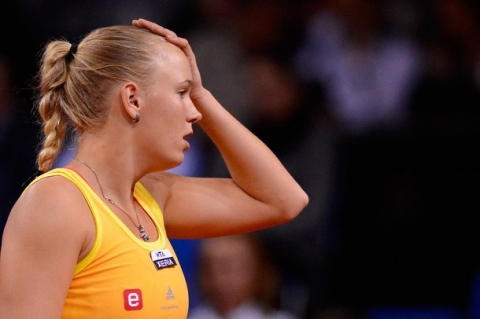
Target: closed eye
184 88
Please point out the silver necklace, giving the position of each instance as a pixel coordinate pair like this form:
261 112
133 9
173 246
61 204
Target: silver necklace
140 227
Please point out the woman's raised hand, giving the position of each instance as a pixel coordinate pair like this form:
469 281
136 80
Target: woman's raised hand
153 27
170 36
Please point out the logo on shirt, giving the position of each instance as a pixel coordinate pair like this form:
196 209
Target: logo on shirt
132 299
170 295
162 259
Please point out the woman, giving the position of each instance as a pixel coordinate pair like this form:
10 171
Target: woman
238 278
89 240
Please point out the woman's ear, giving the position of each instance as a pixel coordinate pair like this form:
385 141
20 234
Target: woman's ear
131 101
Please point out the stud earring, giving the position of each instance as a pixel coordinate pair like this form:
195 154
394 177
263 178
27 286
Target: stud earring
136 118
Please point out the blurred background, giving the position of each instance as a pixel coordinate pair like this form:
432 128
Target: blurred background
372 105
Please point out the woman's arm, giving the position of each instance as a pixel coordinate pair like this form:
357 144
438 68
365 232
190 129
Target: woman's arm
42 241
261 192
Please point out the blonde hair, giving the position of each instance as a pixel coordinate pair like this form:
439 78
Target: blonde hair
73 86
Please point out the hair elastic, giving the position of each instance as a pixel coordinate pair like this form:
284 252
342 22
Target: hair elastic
71 53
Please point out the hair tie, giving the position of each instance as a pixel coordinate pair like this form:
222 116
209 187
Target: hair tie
71 52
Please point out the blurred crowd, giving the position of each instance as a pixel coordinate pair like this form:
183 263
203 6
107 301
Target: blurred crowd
373 106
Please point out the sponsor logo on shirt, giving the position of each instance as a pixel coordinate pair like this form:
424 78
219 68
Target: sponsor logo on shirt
132 299
170 295
162 259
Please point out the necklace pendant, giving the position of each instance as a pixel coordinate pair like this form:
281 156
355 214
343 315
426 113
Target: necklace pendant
143 234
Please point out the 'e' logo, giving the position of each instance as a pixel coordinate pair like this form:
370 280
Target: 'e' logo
132 299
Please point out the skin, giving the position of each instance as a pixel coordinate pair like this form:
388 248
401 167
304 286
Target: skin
42 243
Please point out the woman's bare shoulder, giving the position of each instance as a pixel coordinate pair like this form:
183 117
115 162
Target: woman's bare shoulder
52 205
53 191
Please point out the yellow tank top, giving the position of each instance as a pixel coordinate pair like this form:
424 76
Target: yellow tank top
123 276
